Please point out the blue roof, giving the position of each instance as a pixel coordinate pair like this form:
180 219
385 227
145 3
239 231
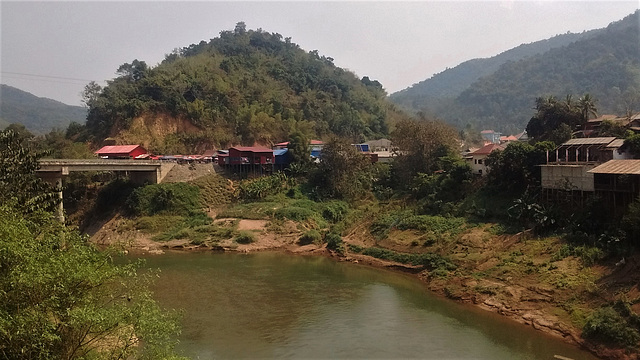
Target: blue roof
279 152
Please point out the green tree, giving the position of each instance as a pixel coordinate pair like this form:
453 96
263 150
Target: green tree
420 145
61 298
551 114
516 167
19 185
299 149
343 172
587 107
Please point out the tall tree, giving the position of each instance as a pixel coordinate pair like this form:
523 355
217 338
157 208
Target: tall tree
420 144
19 185
587 106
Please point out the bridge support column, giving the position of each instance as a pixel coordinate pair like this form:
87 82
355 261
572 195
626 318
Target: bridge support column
55 179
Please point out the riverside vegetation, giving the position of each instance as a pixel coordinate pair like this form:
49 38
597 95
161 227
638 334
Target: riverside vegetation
486 241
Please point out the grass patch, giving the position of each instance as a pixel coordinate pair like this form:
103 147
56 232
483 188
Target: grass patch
214 189
405 220
157 223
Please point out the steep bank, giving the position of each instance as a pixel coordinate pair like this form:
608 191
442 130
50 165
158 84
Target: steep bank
526 299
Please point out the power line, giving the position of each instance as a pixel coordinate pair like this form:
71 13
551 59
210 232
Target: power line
74 82
47 76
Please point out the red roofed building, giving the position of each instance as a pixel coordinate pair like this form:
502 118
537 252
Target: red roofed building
121 151
477 159
249 155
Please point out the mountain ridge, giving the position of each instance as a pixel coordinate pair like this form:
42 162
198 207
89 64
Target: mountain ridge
39 115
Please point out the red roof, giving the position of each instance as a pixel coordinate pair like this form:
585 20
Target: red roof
487 149
117 149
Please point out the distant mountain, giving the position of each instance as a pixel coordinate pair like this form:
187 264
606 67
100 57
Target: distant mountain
39 115
451 82
500 92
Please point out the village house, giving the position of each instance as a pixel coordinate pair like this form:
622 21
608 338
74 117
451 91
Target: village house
248 159
567 172
617 182
122 152
478 159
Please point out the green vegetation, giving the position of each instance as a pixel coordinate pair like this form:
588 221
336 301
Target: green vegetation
245 86
607 326
38 115
496 93
310 237
431 261
59 296
245 237
172 198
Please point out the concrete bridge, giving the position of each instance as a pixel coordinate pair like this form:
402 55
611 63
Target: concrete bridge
139 171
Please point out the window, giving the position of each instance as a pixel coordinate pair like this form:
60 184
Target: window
480 162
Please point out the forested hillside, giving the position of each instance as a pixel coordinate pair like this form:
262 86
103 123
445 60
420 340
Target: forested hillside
605 64
243 87
38 115
451 82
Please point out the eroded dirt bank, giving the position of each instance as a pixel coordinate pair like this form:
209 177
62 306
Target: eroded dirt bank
523 299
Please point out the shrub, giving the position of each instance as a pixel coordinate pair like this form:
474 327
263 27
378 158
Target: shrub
311 236
245 237
334 242
169 199
607 326
335 211
294 213
157 223
259 188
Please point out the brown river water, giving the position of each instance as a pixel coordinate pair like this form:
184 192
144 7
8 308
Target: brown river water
273 305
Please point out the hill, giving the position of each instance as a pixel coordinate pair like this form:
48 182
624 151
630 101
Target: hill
243 87
604 63
452 82
39 115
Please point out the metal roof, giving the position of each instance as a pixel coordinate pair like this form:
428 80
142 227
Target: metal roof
254 149
589 141
117 149
618 167
616 143
280 152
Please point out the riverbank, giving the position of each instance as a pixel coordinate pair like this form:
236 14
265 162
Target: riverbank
497 273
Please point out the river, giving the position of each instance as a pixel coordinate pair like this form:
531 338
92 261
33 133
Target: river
273 305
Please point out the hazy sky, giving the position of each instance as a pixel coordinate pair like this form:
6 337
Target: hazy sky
67 44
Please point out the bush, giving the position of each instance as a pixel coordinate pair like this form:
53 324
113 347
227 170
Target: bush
334 242
311 236
605 325
169 199
259 188
335 211
245 237
294 213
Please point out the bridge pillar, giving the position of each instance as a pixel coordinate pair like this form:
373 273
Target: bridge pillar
55 179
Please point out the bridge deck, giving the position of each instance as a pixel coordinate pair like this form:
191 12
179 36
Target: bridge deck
67 165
